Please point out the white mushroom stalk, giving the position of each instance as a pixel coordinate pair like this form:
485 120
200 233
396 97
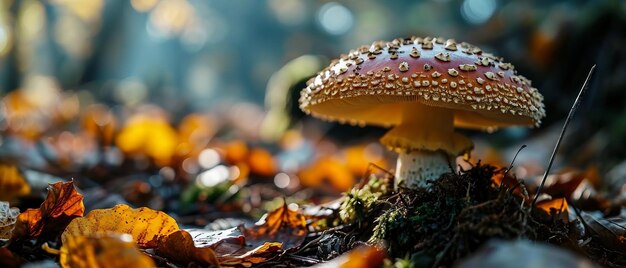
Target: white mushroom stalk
423 88
426 143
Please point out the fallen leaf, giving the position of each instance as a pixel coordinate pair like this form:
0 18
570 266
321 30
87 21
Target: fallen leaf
144 224
364 256
8 259
179 246
195 131
8 216
359 158
280 230
261 162
225 247
149 135
100 250
282 225
556 207
62 204
12 183
327 170
235 151
611 232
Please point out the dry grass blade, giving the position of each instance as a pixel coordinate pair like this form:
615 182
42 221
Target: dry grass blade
558 142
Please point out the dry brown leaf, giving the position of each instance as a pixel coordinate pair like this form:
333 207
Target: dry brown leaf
62 204
282 225
180 247
280 230
12 183
144 224
565 182
8 216
8 259
225 247
611 232
110 250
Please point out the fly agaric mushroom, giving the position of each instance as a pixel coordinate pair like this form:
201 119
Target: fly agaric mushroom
424 87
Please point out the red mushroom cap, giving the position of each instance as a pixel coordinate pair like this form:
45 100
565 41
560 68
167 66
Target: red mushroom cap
366 85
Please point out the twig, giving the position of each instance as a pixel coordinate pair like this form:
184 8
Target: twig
513 161
558 141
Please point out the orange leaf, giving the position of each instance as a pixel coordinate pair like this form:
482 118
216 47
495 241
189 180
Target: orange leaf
330 170
365 256
12 183
235 151
282 225
62 204
261 162
145 225
111 250
555 207
8 216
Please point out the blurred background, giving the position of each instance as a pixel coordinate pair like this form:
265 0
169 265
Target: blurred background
203 92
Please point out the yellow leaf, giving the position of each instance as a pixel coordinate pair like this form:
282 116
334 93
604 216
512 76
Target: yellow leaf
110 250
8 216
143 224
149 135
12 183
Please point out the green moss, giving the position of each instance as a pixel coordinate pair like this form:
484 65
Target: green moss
359 201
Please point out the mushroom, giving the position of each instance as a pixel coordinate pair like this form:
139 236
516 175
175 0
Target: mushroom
423 87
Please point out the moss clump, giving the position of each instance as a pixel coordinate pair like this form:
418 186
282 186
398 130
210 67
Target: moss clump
449 220
359 200
437 226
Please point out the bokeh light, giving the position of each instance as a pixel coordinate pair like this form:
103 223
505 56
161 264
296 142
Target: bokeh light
335 18
478 11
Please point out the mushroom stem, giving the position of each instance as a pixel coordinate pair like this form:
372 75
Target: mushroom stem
417 167
426 142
